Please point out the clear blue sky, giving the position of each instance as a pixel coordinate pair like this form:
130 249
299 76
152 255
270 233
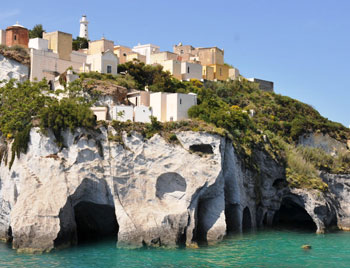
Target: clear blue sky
301 45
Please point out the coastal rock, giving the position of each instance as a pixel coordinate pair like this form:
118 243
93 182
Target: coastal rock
11 69
142 192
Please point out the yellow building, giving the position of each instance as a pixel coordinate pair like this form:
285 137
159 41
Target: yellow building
211 58
131 56
210 55
208 73
122 53
126 54
100 46
60 43
220 71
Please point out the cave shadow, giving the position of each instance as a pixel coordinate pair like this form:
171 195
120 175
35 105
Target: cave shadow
233 218
204 221
246 221
88 216
170 182
293 216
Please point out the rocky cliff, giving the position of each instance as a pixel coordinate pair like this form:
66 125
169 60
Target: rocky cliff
12 69
151 192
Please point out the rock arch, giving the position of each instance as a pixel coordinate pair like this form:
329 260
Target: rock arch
233 218
292 215
247 220
88 215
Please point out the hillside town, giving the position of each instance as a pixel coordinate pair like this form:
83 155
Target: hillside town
53 55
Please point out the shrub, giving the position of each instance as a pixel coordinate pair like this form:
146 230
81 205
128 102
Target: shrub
67 113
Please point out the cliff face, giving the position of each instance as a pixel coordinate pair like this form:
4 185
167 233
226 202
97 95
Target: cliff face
12 69
148 192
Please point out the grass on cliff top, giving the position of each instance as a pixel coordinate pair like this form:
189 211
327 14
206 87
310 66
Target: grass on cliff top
166 130
223 108
16 53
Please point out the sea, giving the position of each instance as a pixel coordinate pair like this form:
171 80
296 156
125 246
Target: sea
266 248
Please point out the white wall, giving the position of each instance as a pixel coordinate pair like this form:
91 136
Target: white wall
2 37
39 43
99 62
158 104
146 50
128 113
191 71
178 105
174 67
142 114
47 64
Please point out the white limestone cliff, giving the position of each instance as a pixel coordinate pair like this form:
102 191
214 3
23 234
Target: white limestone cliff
11 69
160 194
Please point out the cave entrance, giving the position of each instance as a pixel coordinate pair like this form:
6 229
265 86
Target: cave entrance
200 232
293 216
233 219
247 220
95 222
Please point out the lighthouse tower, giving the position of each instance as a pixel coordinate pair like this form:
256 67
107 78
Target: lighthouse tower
84 28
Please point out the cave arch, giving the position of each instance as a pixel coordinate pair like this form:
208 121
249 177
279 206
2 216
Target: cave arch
95 222
233 218
247 220
88 215
292 215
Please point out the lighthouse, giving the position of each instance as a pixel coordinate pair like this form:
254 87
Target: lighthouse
84 28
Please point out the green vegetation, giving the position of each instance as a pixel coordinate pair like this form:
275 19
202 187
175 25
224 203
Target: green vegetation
120 80
150 76
166 130
17 117
80 43
37 31
281 119
66 114
253 119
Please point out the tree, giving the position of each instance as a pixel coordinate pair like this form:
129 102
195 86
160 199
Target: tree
37 31
80 43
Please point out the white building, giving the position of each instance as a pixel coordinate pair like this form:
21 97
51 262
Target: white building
142 114
178 105
139 98
104 62
146 50
191 71
44 63
100 113
171 106
158 102
39 44
2 37
122 113
84 33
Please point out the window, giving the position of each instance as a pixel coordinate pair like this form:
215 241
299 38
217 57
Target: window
124 54
188 69
109 69
15 37
220 71
180 101
181 52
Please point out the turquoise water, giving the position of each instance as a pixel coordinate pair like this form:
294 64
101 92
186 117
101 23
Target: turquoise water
261 249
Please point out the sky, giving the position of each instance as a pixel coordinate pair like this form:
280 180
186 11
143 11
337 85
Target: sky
303 46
